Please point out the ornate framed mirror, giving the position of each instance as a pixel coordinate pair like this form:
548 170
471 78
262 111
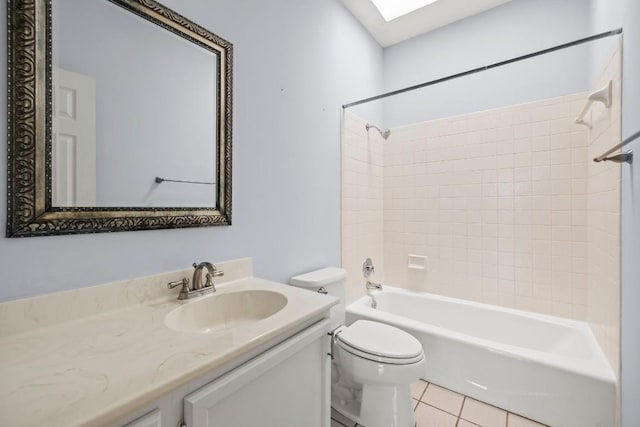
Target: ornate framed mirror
119 119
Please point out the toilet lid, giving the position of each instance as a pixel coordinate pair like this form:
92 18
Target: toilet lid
378 339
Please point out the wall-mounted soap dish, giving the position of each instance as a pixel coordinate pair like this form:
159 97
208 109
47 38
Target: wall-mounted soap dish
417 262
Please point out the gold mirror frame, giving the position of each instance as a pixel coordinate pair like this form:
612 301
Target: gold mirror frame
29 208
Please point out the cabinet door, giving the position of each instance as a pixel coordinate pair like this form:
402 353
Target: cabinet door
287 386
152 419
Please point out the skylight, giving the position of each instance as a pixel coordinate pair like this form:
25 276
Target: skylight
392 9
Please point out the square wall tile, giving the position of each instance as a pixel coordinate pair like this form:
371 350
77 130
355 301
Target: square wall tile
428 416
517 421
418 388
443 399
482 414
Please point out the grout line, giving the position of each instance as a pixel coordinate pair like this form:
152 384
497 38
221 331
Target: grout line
528 419
440 409
464 400
424 392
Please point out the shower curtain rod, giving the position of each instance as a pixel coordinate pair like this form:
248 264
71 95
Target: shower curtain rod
486 67
604 155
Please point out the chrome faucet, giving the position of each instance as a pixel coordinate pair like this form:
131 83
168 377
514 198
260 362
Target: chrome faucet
212 272
197 288
367 270
373 286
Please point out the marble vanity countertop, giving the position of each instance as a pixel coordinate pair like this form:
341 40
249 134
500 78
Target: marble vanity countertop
94 370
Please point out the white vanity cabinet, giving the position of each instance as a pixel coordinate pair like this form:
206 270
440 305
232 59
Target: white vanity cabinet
286 385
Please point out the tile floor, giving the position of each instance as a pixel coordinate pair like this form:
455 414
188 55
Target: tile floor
438 407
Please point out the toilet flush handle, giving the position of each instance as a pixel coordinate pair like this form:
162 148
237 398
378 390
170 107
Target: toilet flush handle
322 290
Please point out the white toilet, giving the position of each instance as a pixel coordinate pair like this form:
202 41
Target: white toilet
374 364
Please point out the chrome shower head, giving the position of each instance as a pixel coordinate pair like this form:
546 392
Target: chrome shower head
384 133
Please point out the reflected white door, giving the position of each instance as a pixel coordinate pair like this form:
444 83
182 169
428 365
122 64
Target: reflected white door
73 139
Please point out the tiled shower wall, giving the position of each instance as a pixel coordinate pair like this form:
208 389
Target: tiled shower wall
497 201
507 206
362 223
603 218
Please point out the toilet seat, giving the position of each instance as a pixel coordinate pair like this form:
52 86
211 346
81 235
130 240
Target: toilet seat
381 343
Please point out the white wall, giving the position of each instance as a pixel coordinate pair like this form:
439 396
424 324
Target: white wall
608 14
296 63
515 28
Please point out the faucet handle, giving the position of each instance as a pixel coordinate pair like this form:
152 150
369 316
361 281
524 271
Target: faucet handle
209 281
184 292
183 282
367 268
211 275
216 272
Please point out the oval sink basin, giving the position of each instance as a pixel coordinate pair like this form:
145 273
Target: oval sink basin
225 311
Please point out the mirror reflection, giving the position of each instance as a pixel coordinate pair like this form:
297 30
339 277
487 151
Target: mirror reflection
132 102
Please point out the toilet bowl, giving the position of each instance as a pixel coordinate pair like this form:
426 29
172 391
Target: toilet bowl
379 362
374 364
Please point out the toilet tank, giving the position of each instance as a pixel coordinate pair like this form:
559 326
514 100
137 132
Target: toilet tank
333 280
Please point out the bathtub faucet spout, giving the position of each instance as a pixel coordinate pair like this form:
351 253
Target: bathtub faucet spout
371 286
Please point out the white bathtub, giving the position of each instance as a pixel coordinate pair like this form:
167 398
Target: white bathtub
542 367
